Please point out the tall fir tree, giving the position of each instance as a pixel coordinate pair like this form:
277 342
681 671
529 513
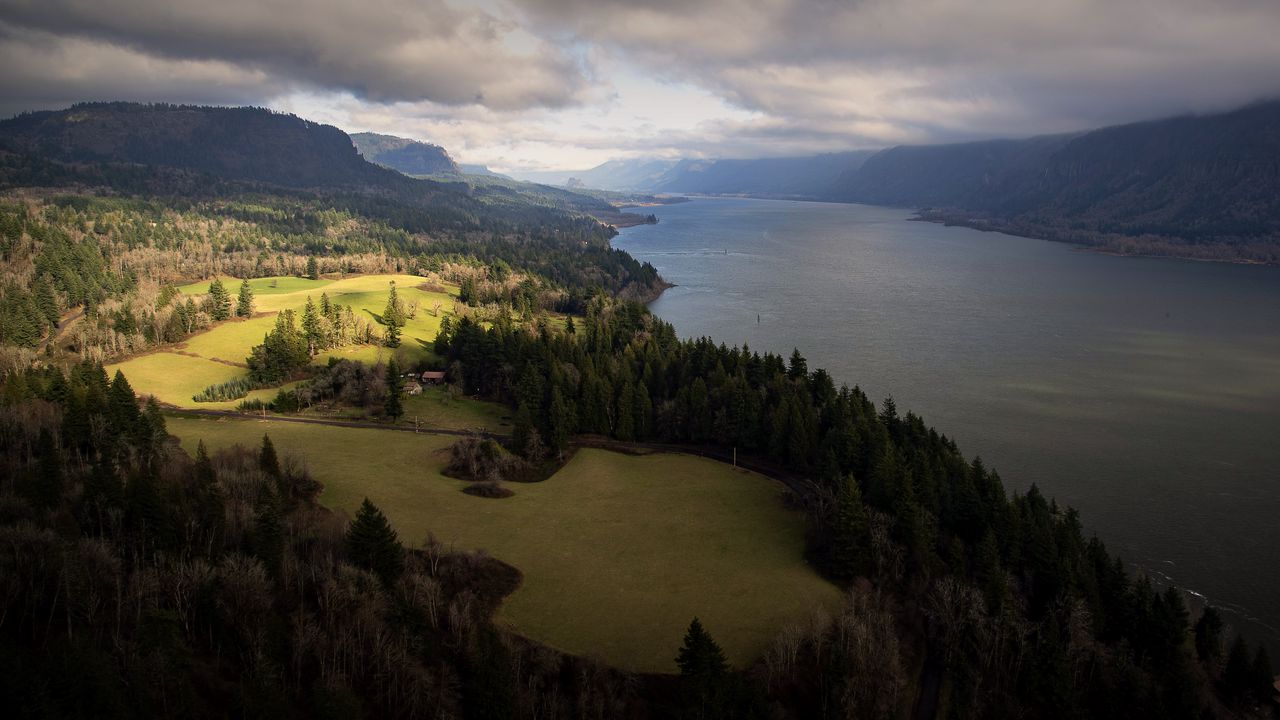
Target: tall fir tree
373 545
850 555
219 300
268 461
703 673
244 301
394 406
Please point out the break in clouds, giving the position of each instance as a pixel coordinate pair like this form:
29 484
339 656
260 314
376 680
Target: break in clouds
801 75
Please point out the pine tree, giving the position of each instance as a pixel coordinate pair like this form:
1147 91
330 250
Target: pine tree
219 301
122 406
373 545
703 671
1209 636
311 329
1237 675
268 461
850 555
244 301
267 538
394 407
560 419
313 268
391 337
393 313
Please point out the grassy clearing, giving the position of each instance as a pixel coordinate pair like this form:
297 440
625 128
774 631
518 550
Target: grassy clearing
433 410
174 377
618 552
261 286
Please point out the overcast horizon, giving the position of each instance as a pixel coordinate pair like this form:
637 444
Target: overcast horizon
533 85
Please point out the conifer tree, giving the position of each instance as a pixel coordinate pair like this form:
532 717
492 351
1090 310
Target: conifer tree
268 461
219 301
1209 636
391 337
394 407
373 545
850 554
244 301
703 670
1237 675
313 268
311 329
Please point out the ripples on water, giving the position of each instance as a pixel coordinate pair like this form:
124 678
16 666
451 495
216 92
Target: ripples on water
1144 392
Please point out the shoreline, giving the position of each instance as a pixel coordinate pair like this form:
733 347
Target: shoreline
983 225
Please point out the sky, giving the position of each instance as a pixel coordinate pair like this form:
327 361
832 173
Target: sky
527 85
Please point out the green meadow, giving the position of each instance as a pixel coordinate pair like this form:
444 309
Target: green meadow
217 355
618 552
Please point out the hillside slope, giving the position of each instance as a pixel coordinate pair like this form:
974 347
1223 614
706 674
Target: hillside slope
248 144
1194 179
410 157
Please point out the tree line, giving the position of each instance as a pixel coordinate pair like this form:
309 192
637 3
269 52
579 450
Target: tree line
1003 597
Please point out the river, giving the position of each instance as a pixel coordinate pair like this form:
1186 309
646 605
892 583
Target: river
1143 392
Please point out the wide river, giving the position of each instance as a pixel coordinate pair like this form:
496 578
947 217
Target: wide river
1144 392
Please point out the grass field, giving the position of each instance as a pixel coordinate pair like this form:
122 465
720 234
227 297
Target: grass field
173 377
618 552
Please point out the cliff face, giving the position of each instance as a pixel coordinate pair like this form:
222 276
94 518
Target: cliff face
407 156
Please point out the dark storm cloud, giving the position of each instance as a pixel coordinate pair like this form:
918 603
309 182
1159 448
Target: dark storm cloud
815 75
381 50
943 69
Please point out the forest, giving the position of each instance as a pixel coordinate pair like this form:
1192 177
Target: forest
137 579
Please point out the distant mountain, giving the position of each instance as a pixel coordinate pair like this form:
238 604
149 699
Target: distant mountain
793 177
809 177
190 151
1193 179
248 144
410 157
479 170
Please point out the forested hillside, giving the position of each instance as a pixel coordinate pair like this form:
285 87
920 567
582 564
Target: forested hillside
410 157
1203 186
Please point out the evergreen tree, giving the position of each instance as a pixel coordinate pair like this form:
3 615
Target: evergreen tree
244 301
313 268
267 537
560 417
122 406
311 329
799 367
268 461
373 545
46 488
1209 636
391 337
219 301
850 555
393 313
1237 675
393 406
703 670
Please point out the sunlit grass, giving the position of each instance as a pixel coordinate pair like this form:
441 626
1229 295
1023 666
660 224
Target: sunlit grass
618 552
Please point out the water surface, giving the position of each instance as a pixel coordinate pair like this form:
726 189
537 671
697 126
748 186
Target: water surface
1144 392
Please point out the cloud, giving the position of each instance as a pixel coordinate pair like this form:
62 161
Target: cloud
380 50
47 71
919 70
522 83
